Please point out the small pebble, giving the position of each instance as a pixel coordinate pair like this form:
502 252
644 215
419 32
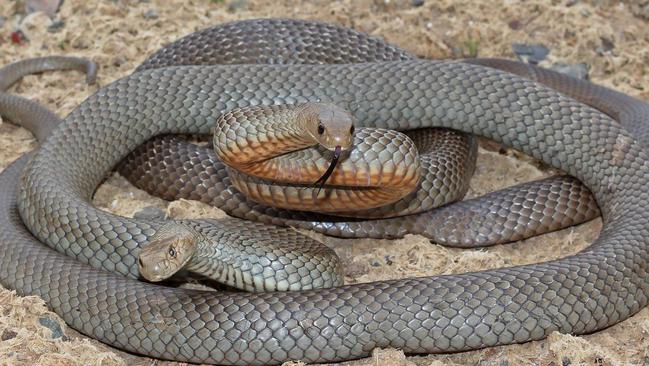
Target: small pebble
572 2
457 51
641 11
532 53
356 269
8 334
235 5
150 14
2 20
417 3
515 24
150 212
54 326
504 362
579 71
56 26
119 61
49 7
607 46
18 37
565 361
80 44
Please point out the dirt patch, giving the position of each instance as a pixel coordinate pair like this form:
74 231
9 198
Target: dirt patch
612 38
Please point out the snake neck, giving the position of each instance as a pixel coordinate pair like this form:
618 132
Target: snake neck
253 141
261 258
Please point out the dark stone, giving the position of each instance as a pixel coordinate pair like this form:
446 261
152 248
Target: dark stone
54 326
532 53
607 46
49 7
579 71
119 61
150 14
417 3
56 26
515 24
7 335
565 361
236 5
150 213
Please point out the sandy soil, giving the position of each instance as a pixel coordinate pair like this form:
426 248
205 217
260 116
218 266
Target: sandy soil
120 34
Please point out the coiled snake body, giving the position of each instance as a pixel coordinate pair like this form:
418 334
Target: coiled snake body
595 288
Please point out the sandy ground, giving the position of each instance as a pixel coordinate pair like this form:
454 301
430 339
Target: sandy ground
611 38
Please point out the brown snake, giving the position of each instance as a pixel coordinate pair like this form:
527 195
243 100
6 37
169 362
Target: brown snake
582 293
268 145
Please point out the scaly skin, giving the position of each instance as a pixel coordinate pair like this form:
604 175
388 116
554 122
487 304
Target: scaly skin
272 268
274 158
37 119
173 169
593 289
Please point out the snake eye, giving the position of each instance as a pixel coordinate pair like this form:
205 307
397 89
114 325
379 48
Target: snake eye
172 252
351 130
321 129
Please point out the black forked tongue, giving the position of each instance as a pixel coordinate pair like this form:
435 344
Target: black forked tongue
323 180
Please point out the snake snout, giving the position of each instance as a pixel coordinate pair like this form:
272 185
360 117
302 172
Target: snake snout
342 142
151 271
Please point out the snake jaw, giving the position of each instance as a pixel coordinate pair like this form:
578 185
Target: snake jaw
323 179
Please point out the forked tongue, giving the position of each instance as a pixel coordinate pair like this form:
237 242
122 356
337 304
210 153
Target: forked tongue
323 180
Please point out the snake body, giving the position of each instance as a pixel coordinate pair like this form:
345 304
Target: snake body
593 289
276 154
37 119
170 168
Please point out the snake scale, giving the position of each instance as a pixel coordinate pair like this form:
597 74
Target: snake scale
595 288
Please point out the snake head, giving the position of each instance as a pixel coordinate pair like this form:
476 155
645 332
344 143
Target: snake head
331 126
167 252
